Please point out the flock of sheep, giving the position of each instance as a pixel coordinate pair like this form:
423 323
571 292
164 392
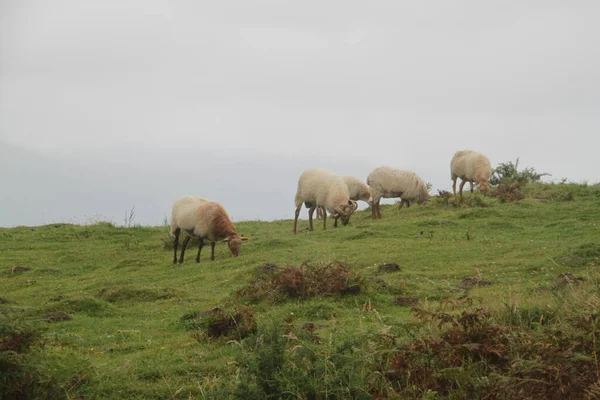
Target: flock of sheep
322 190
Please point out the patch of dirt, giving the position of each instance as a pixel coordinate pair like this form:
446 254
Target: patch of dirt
58 298
563 280
389 267
469 283
57 316
49 270
406 301
20 268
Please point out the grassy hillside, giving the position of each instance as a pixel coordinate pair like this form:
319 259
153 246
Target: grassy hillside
487 296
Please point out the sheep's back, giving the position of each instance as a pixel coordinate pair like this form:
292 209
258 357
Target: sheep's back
314 185
470 165
394 182
357 190
184 210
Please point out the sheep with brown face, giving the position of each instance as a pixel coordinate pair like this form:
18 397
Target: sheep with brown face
387 182
471 167
204 219
319 188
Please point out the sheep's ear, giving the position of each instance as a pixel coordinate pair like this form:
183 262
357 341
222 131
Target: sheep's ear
244 238
225 240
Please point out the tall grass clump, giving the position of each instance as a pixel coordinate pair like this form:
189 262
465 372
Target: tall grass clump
302 282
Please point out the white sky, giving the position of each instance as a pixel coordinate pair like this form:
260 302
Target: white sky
126 87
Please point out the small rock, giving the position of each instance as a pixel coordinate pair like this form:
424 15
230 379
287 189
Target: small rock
20 268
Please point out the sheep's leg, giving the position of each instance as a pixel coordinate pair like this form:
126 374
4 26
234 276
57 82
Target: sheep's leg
183 246
401 204
454 188
175 244
319 213
296 217
471 183
460 190
375 207
324 219
212 251
200 245
378 214
335 219
310 218
407 203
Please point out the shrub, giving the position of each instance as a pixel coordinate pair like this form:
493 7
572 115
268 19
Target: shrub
280 362
20 374
510 171
302 282
509 190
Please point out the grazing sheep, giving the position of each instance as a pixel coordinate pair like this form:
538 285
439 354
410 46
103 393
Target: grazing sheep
358 191
470 166
203 219
388 182
319 188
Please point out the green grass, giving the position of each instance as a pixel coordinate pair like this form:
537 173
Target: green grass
126 338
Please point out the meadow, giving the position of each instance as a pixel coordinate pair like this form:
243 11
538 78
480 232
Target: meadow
489 299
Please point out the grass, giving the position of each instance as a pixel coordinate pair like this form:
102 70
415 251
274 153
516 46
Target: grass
137 319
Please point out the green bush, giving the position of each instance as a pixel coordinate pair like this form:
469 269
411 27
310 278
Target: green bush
510 171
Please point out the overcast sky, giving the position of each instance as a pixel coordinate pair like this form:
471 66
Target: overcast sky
109 104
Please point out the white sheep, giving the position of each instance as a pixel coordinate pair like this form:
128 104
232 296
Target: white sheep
470 166
203 219
357 190
319 188
389 182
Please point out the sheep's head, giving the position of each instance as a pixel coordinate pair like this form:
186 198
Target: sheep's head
424 198
484 187
345 212
234 242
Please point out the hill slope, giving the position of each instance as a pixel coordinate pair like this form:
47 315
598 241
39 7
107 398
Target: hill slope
134 331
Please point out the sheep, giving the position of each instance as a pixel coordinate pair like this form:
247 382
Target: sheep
388 182
357 190
470 166
319 188
203 219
